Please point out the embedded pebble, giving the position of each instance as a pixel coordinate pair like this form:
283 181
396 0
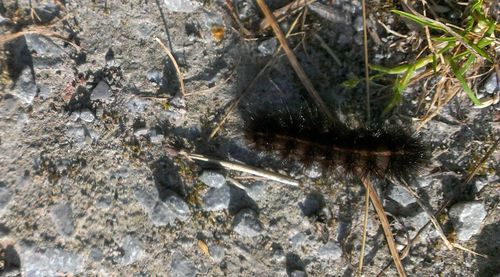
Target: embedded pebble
212 179
314 171
62 216
132 250
25 87
86 115
48 12
267 47
50 262
358 24
5 196
480 184
217 199
161 215
145 198
467 218
182 266
401 196
331 250
178 206
184 6
101 92
255 190
298 273
43 47
96 254
216 252
246 223
491 84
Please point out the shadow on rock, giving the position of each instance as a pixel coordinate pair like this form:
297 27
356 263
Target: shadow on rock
488 243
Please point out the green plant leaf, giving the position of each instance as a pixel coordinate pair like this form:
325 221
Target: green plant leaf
399 87
463 82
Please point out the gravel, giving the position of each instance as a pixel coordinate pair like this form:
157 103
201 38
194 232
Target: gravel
212 179
401 196
246 223
182 266
331 250
217 199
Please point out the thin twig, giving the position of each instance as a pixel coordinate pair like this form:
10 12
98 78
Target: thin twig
385 225
293 59
247 169
177 69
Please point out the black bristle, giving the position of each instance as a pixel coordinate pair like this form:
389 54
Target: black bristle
391 152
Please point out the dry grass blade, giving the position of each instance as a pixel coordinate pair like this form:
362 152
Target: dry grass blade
43 31
177 69
293 59
367 71
385 225
282 12
365 224
247 169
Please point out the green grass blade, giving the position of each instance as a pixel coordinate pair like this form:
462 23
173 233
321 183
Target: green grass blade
463 82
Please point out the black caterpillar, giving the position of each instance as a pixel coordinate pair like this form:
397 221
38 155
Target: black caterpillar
392 152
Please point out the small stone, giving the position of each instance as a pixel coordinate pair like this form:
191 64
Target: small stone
161 215
184 6
141 132
216 252
5 196
62 216
331 250
132 250
217 199
25 87
297 240
491 84
182 266
267 47
50 262
86 115
155 76
77 134
358 24
44 47
401 196
178 206
96 254
212 179
147 199
314 171
47 12
255 190
246 223
298 273
101 92
467 218
137 104
157 139
480 184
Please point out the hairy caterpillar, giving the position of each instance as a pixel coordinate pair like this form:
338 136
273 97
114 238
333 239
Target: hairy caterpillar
392 152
